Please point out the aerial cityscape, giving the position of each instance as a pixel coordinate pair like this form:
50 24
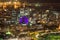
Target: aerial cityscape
29 20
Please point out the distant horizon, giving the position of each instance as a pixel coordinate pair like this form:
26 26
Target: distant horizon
35 1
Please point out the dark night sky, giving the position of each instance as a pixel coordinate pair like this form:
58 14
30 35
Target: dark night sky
44 1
